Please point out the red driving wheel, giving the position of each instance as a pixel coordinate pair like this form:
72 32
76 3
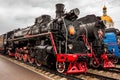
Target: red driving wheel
16 55
25 57
31 59
20 56
38 62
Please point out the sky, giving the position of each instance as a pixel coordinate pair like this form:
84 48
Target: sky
22 13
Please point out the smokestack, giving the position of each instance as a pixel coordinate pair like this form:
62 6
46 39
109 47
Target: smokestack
59 10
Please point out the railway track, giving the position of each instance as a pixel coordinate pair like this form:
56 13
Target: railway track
54 75
86 76
108 73
114 70
100 76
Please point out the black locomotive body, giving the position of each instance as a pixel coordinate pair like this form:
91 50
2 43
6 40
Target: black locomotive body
94 28
64 42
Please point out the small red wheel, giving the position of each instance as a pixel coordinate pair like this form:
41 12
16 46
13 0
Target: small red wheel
61 67
94 64
83 65
115 59
38 62
31 59
16 55
20 56
25 57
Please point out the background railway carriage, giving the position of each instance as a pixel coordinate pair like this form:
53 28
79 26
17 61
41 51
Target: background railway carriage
111 39
64 42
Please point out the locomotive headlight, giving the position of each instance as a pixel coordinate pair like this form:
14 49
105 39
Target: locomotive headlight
70 46
76 11
71 30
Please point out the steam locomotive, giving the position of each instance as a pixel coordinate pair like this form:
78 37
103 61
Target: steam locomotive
95 34
65 42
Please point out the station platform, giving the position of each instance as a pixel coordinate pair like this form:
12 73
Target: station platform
12 71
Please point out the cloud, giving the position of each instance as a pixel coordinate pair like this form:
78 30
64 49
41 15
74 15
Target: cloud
21 13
